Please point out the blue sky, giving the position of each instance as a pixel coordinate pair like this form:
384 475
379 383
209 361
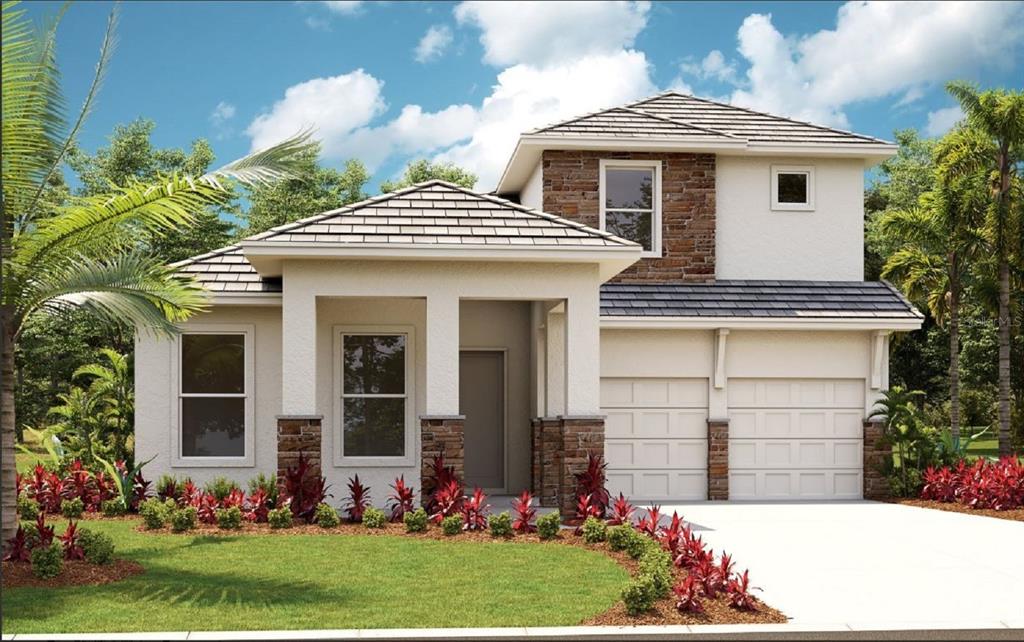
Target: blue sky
387 82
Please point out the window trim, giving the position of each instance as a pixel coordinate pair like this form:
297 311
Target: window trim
338 420
177 434
792 169
612 163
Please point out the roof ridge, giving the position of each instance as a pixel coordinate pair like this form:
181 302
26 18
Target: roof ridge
559 123
680 121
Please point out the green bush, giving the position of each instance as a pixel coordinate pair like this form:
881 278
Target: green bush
640 544
268 484
48 561
229 518
184 519
113 508
656 565
72 508
374 518
501 525
165 483
220 487
325 516
154 513
452 525
31 534
908 487
28 509
416 521
98 547
280 518
639 595
549 525
594 530
619 537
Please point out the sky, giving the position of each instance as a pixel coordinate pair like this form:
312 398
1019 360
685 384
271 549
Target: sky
388 82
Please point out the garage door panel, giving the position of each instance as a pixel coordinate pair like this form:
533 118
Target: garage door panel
627 393
658 484
656 453
821 484
796 393
654 422
794 453
788 423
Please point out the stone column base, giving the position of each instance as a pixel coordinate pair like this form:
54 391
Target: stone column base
550 460
298 435
441 434
876 454
718 459
565 443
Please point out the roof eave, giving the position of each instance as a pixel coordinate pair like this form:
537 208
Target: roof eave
895 324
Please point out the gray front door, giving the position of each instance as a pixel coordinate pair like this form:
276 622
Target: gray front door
482 401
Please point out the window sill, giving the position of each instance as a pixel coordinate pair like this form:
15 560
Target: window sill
374 462
213 462
792 207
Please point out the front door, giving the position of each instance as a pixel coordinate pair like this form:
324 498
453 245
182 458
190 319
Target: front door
482 401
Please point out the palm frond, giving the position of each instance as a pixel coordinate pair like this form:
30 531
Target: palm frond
921 276
282 160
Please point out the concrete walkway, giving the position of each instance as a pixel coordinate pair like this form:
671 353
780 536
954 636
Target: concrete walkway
870 564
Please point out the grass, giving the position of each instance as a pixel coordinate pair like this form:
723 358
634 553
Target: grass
985 447
324 582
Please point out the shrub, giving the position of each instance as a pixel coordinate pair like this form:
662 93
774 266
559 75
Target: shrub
325 516
154 513
688 594
167 487
28 509
47 561
622 512
625 538
113 507
374 518
618 536
442 476
501 525
256 506
16 549
98 547
452 525
991 485
593 530
549 525
401 501
44 533
416 521
656 565
220 487
229 518
590 483
358 499
475 510
31 534
70 543
639 595
303 489
650 525
585 509
739 593
184 519
280 518
447 500
525 512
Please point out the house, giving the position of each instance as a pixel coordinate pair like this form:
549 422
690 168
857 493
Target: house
676 283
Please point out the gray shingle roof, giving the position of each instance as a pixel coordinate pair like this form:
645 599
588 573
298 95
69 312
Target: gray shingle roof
441 213
782 299
226 270
703 119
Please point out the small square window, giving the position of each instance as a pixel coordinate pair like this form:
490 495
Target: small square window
792 188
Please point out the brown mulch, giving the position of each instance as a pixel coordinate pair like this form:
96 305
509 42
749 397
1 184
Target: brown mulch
75 573
717 611
1016 514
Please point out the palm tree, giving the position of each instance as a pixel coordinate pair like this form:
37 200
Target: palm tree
81 254
112 386
995 151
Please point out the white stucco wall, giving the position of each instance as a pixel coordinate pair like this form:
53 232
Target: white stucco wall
155 396
532 194
755 242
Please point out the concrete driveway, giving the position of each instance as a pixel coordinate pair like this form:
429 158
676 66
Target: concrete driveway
872 564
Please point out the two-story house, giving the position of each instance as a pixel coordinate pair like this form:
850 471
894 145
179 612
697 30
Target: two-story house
676 284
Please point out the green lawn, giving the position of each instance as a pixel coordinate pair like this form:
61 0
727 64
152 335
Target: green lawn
324 582
987 446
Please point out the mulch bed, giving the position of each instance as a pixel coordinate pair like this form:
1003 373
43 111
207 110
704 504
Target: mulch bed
717 611
75 573
1016 514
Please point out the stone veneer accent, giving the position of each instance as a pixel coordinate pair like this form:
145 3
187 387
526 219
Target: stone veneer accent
298 435
876 453
718 459
571 190
560 449
441 434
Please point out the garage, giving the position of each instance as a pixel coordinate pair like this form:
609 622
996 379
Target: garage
795 438
656 437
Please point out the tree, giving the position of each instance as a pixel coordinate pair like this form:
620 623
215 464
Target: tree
80 255
423 170
114 391
317 189
993 146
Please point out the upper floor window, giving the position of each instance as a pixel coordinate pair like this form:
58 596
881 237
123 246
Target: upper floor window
630 193
792 187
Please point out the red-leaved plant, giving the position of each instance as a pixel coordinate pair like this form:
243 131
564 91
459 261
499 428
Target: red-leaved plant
441 477
206 507
591 483
622 512
671 538
447 500
402 500
688 594
234 498
256 507
649 524
78 483
358 499
585 508
16 548
707 573
190 494
303 490
69 542
524 511
739 593
475 510
45 532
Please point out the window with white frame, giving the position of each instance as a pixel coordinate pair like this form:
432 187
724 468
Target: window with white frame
630 193
213 394
792 187
375 398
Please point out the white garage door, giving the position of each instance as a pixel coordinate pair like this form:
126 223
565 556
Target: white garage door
795 438
656 437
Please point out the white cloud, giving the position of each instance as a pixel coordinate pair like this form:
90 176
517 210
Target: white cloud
550 32
714 65
941 121
876 49
222 113
433 43
344 7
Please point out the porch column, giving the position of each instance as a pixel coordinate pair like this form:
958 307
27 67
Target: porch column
442 427
583 354
554 356
298 425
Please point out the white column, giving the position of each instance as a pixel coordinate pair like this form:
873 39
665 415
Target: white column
555 367
299 352
583 354
442 385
